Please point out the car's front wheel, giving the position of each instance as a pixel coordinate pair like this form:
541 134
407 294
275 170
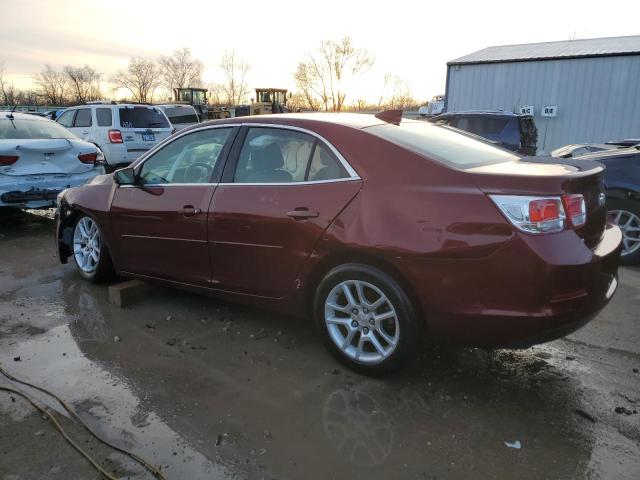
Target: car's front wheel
89 252
366 319
626 214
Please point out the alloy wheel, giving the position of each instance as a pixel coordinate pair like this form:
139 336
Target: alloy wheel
87 244
362 321
629 223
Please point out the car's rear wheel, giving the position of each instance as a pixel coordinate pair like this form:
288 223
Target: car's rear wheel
626 214
366 319
89 251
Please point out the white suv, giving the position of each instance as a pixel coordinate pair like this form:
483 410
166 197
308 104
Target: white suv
123 131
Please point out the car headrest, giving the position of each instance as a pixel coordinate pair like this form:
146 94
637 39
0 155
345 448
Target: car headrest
267 158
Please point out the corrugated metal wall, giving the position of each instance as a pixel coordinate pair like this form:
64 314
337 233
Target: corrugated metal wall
598 98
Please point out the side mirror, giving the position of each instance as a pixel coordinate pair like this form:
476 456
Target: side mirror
125 176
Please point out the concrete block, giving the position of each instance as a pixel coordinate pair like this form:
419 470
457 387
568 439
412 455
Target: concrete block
126 293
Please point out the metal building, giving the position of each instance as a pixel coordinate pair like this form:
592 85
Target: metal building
578 90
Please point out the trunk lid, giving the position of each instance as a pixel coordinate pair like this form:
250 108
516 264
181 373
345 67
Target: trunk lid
45 156
546 176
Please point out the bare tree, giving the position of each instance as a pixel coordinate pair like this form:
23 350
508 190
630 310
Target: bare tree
216 94
312 92
326 72
180 70
396 93
235 71
140 78
53 85
84 82
7 89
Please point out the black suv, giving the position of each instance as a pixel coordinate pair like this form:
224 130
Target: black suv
517 133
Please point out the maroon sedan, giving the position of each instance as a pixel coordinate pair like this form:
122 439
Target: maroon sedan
385 231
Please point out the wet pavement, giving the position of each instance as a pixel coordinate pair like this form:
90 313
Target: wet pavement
210 390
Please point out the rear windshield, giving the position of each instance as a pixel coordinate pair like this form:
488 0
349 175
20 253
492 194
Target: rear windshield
22 129
142 117
181 115
442 144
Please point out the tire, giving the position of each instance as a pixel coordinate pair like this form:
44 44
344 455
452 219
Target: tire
90 254
626 214
397 331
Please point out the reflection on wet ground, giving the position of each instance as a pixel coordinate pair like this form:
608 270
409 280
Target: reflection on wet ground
211 390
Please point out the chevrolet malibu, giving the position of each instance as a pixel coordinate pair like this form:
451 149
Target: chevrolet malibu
385 231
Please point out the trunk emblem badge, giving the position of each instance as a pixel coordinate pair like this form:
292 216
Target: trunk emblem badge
602 199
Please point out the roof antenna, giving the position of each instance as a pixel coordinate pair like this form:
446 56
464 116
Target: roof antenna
390 116
10 115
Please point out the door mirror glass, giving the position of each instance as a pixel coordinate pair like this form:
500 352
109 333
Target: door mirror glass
125 176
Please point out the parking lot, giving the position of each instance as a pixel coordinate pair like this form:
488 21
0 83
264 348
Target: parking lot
206 389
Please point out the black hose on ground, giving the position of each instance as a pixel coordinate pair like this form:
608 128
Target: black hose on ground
151 468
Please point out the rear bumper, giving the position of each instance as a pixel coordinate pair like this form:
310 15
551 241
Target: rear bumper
532 290
39 191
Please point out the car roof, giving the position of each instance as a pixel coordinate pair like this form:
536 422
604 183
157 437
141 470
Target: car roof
492 113
173 105
5 115
353 120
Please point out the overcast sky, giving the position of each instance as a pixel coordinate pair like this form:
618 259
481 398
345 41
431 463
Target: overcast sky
410 39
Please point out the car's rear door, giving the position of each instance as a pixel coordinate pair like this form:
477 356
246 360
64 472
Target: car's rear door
281 189
160 224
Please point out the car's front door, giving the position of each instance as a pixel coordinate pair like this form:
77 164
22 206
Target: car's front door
160 223
281 189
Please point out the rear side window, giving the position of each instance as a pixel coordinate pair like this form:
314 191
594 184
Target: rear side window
324 165
142 117
103 116
66 119
272 155
442 144
83 118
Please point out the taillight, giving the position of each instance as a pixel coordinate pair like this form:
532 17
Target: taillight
115 136
576 209
88 157
8 160
532 214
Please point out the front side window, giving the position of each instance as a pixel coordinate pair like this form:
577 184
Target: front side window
66 119
83 118
191 158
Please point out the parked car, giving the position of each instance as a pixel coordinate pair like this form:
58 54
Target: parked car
622 187
123 131
434 107
39 159
180 116
517 133
386 231
579 149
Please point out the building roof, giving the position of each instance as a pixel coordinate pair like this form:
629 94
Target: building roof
589 47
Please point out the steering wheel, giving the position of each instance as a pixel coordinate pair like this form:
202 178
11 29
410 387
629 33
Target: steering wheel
198 172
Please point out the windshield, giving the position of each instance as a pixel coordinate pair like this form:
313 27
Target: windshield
142 117
442 144
21 129
181 115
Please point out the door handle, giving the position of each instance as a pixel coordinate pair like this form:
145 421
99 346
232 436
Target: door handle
190 211
302 213
85 133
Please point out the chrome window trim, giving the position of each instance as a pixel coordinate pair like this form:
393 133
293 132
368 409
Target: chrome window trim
353 175
350 170
283 184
